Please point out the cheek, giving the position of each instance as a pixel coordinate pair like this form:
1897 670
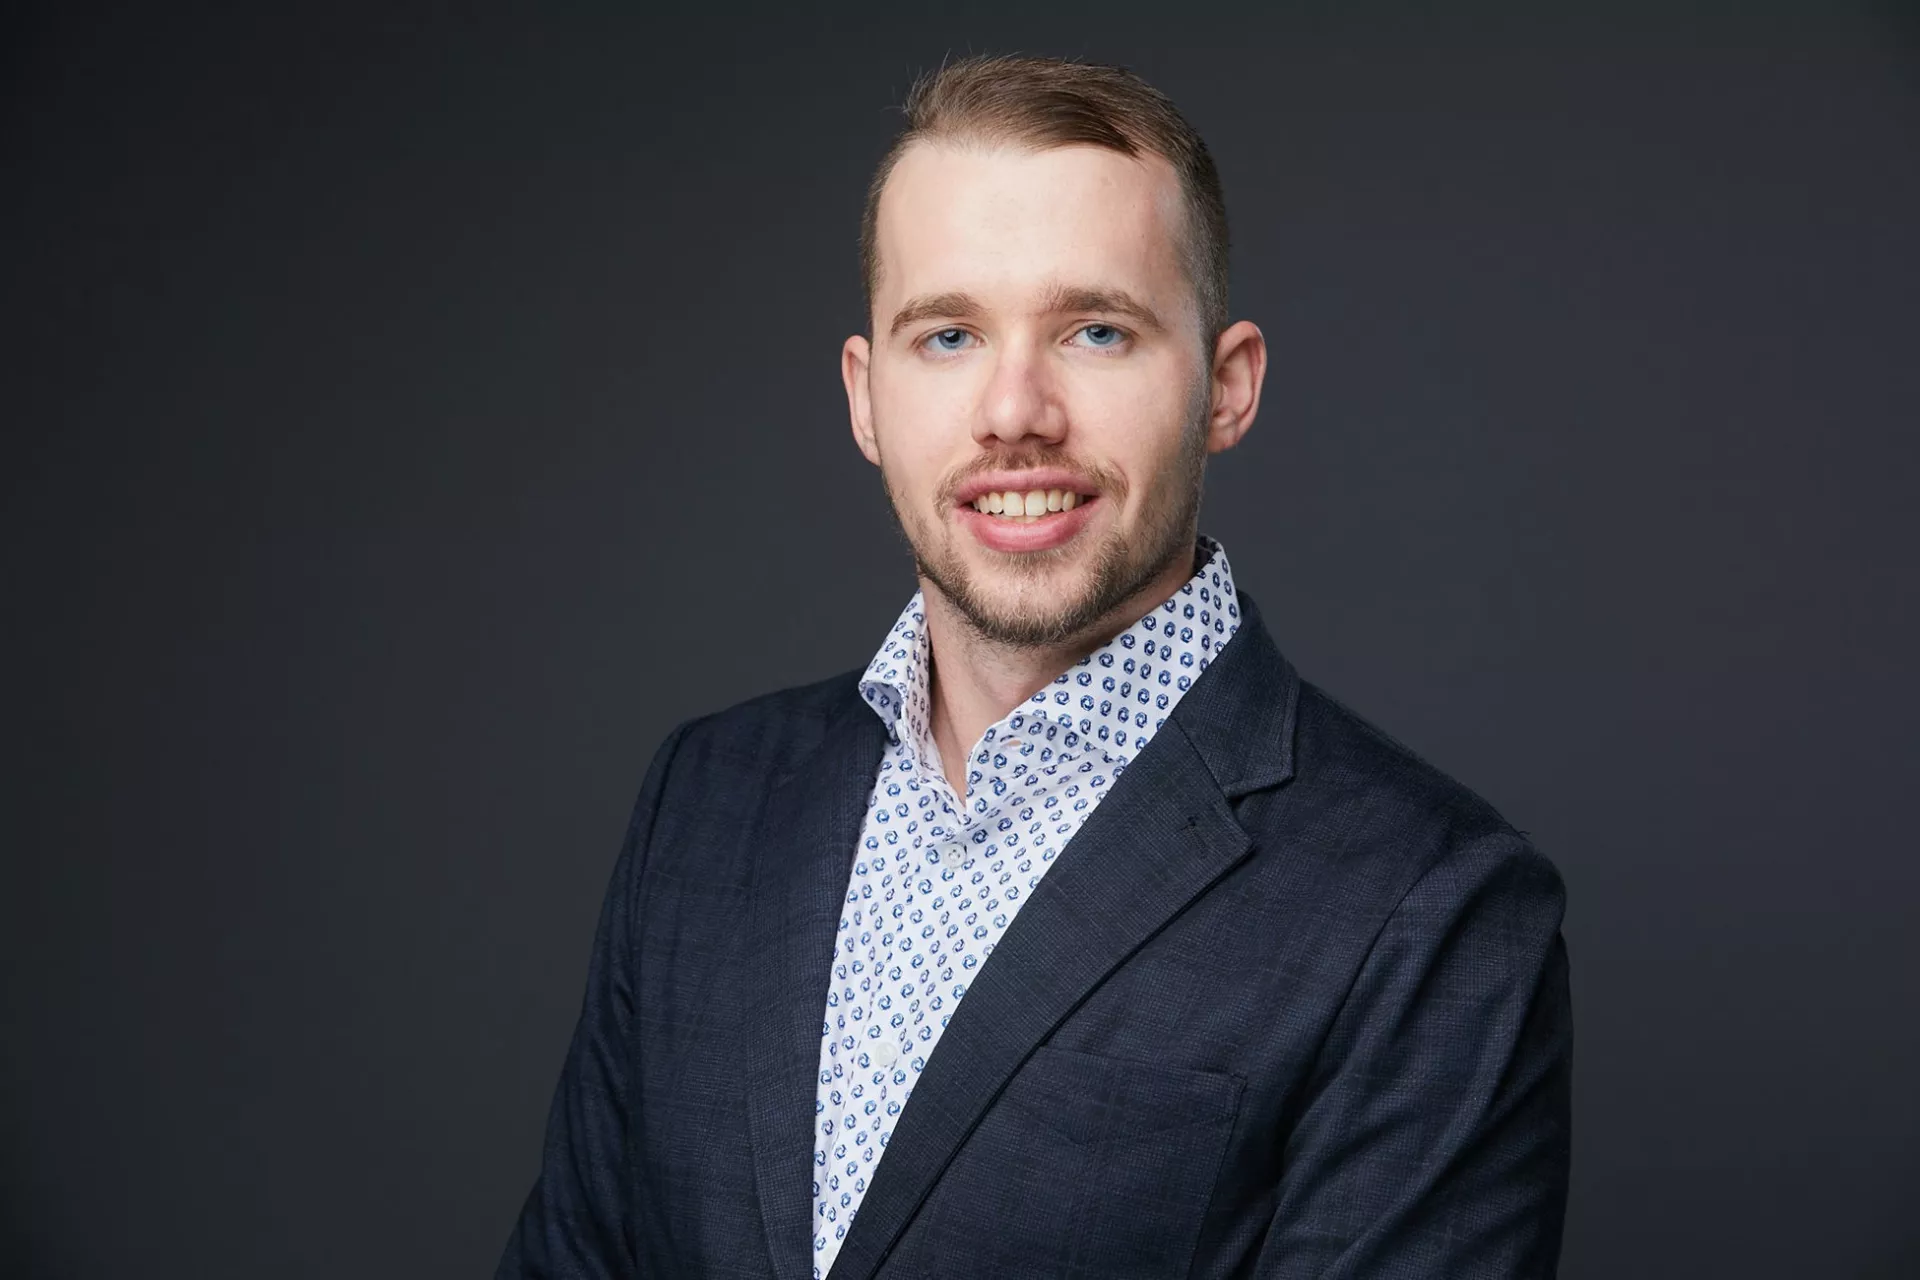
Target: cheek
926 400
1137 433
910 467
921 425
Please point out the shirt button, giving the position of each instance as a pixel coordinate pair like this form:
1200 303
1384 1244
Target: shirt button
885 1054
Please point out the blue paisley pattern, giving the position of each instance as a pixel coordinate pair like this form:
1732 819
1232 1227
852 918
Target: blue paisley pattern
938 878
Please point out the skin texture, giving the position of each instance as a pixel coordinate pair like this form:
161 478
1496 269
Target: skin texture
1033 327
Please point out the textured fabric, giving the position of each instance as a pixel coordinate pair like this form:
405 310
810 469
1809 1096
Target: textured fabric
938 878
1291 1003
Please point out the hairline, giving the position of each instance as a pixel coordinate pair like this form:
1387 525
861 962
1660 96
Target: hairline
1188 236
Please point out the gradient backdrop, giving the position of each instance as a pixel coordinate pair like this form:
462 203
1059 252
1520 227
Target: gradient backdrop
411 416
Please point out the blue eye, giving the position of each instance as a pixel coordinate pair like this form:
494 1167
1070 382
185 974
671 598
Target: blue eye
1102 335
948 339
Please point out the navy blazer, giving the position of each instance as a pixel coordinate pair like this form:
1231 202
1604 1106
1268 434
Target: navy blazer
1290 1003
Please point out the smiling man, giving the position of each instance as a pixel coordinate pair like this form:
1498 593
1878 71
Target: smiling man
1076 934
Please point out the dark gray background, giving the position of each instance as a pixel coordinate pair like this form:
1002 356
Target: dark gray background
412 416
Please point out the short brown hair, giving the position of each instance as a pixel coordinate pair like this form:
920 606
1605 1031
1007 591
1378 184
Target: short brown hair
1049 102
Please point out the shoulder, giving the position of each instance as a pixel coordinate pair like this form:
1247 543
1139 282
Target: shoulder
1383 816
705 788
1341 752
764 738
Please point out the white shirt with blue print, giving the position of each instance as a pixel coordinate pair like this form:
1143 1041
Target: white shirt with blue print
937 879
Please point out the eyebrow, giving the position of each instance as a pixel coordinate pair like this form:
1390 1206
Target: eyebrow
935 306
1116 302
1059 298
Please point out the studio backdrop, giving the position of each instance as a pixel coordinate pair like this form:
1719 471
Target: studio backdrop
374 379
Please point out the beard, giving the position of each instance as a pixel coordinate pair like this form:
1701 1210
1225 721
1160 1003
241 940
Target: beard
1041 611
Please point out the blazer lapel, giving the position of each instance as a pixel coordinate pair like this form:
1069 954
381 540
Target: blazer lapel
1162 836
813 822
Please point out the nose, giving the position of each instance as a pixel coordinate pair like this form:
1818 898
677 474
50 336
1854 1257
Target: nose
1021 402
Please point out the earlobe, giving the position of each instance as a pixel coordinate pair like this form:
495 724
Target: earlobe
1239 370
855 355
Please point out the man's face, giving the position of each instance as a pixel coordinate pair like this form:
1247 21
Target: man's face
1037 387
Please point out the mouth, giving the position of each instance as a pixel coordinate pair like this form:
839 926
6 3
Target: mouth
1049 511
1026 506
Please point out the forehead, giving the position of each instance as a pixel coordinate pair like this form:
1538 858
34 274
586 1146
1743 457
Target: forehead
1005 221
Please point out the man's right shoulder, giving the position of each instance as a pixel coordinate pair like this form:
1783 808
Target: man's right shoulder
766 738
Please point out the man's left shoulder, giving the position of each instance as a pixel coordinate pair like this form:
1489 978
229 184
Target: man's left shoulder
1376 813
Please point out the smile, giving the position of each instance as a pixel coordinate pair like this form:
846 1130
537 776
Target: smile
1026 507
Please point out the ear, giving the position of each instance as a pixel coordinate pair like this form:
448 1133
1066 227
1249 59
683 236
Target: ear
1239 368
855 357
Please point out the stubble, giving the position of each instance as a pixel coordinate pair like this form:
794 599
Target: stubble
1120 567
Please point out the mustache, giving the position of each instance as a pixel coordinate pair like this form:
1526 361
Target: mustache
1033 458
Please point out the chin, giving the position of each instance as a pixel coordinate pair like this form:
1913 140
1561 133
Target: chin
1025 599
1034 601
1023 604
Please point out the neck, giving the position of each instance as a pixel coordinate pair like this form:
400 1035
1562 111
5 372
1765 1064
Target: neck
976 681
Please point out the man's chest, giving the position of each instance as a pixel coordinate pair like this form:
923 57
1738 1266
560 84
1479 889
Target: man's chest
1141 1089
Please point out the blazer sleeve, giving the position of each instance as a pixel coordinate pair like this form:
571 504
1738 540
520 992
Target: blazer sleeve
1435 1136
577 1222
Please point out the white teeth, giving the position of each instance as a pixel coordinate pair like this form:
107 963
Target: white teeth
1028 506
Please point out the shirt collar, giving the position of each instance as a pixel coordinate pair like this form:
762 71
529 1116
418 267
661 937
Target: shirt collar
1115 698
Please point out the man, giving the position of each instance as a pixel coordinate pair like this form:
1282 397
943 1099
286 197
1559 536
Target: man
1075 935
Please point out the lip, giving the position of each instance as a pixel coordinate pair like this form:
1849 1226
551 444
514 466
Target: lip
1022 482
1054 529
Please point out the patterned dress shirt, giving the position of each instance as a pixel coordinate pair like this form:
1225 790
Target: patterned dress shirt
937 878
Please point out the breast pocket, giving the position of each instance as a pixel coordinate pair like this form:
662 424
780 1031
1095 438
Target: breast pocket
1085 1166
